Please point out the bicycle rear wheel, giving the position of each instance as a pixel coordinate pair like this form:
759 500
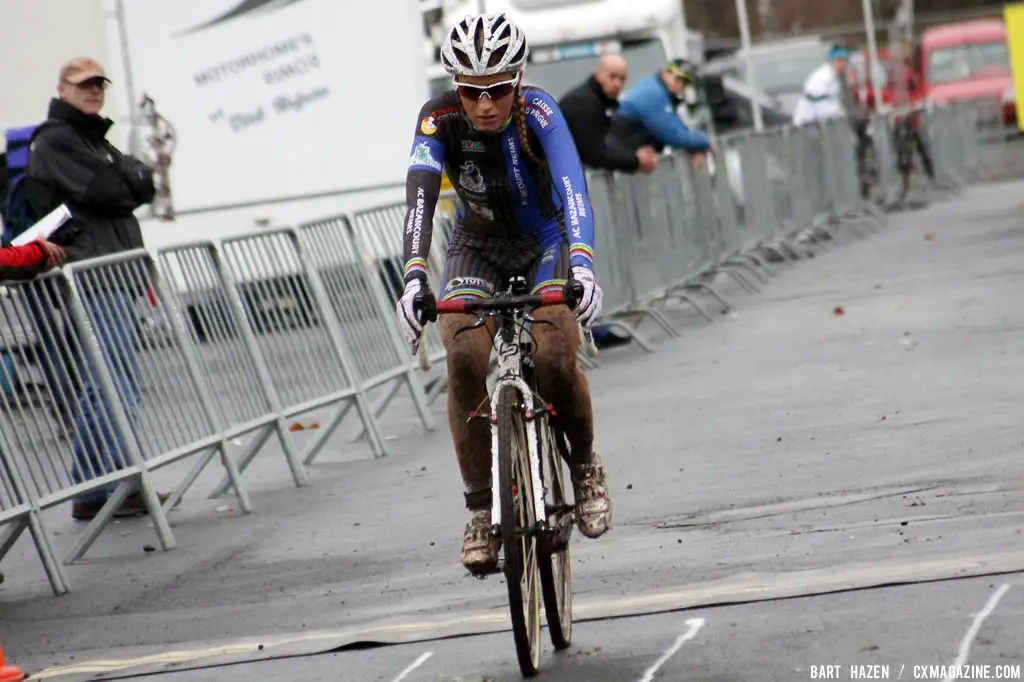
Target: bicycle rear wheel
518 523
555 559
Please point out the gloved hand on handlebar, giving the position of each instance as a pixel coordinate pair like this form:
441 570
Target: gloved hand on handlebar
589 306
407 316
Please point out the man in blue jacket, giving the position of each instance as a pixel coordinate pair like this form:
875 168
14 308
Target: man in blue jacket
647 112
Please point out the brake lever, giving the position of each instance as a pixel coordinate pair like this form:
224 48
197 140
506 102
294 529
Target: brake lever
573 293
481 320
533 320
424 306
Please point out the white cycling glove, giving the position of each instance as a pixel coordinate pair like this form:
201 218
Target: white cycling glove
408 318
589 306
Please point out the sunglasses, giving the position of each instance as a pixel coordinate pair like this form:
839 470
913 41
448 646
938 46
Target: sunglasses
493 91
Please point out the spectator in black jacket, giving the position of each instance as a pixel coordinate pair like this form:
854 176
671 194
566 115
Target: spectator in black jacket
588 111
71 162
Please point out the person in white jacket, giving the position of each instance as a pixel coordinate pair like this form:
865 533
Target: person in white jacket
823 96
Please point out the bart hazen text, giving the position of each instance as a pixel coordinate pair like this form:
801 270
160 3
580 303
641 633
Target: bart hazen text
915 672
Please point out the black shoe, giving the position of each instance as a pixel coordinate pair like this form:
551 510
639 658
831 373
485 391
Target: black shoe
86 511
134 505
611 340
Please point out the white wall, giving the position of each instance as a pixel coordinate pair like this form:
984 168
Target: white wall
281 103
36 38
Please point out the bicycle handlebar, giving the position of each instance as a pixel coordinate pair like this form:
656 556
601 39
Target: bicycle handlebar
428 307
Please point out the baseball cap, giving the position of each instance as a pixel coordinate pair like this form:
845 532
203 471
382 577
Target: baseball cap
839 52
684 69
81 69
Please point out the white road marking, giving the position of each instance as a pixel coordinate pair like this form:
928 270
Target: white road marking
412 666
743 590
693 627
972 632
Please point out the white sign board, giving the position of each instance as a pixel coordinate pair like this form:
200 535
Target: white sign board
272 99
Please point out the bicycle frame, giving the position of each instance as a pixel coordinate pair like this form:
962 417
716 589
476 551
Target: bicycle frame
511 360
509 338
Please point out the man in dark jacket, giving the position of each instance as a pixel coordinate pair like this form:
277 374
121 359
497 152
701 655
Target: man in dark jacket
71 162
588 111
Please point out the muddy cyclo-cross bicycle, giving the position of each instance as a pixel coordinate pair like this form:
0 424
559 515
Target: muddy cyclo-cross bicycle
531 511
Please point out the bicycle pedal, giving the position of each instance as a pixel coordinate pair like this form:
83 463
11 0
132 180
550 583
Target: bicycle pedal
557 539
555 543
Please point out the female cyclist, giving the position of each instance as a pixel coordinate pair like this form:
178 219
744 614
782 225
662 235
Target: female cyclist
524 211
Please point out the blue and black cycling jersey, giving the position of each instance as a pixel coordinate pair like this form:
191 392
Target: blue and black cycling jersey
512 209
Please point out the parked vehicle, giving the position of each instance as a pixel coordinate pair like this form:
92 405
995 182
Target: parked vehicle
969 62
780 67
732 109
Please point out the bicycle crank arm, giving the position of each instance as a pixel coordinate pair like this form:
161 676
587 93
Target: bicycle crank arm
538 528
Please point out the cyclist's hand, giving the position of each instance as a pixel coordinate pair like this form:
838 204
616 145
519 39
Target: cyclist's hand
589 306
407 316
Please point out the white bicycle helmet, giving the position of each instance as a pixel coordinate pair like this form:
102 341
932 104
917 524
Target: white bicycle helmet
482 45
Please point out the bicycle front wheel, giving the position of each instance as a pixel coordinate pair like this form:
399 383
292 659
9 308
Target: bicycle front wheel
518 525
555 560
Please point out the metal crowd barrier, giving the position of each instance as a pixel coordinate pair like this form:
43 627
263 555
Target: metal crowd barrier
364 310
379 233
86 443
662 236
114 368
967 142
307 352
222 336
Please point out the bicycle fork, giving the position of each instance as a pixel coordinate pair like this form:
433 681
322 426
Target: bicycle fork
529 420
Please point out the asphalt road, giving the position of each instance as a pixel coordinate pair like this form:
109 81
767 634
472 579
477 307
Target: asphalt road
772 471
841 635
1002 159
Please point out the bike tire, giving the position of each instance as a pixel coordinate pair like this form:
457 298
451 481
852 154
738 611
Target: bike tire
556 567
521 574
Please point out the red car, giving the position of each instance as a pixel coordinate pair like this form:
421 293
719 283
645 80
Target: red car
969 62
